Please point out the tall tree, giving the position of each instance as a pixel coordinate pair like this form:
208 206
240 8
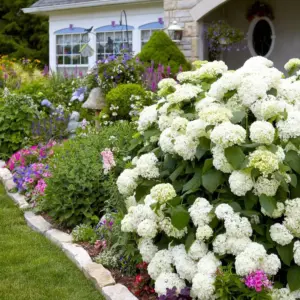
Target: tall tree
22 35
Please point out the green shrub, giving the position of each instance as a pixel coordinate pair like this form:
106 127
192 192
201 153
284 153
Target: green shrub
75 192
121 97
162 50
84 233
17 112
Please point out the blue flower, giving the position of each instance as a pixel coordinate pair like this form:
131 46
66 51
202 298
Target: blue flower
79 94
46 103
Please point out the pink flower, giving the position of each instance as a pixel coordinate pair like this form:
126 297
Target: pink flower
108 160
258 280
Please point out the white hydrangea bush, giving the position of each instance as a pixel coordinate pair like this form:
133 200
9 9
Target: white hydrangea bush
215 182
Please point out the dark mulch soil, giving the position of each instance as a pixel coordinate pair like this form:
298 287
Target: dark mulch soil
91 250
55 225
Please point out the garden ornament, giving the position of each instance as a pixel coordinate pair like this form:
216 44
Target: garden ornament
73 124
95 101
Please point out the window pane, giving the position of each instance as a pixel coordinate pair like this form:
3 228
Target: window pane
84 38
59 50
118 36
109 36
60 60
84 60
67 39
100 48
109 46
146 35
67 50
76 38
76 49
100 37
68 60
59 39
76 59
130 36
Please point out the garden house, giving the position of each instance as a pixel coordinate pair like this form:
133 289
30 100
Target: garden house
246 28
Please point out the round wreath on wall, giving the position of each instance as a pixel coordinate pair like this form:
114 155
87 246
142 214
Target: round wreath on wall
260 9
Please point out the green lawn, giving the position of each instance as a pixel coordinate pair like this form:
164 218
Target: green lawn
31 268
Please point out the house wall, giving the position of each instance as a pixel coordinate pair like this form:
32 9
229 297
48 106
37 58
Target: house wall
286 22
180 11
137 15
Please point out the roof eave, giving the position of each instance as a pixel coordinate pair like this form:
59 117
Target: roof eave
49 9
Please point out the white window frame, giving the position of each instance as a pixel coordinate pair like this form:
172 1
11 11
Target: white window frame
250 35
72 44
104 42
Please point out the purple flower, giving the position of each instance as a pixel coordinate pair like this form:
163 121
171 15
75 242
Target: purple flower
78 94
46 103
45 71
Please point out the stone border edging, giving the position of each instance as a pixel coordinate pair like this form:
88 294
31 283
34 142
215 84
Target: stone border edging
101 277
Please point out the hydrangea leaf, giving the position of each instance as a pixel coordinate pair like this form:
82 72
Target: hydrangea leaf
286 253
179 217
178 171
294 180
212 179
293 160
195 182
293 278
250 200
238 117
235 156
268 203
189 240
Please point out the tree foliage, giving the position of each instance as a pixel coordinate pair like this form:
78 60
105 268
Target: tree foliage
22 35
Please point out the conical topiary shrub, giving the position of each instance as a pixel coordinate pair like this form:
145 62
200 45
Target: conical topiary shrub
162 50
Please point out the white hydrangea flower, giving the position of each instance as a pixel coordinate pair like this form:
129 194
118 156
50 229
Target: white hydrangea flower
280 234
179 125
164 122
297 252
266 186
147 249
163 192
213 68
200 212
146 166
292 213
262 132
170 230
196 129
280 154
147 229
277 213
220 161
130 201
265 161
204 233
224 211
240 182
198 250
282 294
258 61
215 114
184 93
208 264
254 258
238 226
161 263
147 117
127 182
166 141
166 83
203 287
271 264
289 128
186 147
205 102
168 281
185 266
292 64
149 200
228 134
128 224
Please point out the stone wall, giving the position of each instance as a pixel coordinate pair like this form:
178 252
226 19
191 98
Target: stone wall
179 10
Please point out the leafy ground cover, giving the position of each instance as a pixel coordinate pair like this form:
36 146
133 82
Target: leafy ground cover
31 267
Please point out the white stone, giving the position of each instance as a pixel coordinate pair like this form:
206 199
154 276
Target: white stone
58 237
5 174
77 254
10 184
117 292
19 199
99 275
37 223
